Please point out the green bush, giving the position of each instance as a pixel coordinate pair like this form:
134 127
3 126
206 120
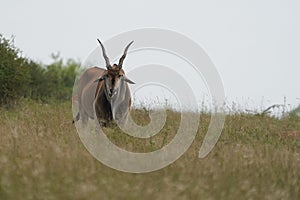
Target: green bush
22 77
59 79
14 72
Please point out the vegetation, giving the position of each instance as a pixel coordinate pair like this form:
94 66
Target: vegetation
42 157
21 77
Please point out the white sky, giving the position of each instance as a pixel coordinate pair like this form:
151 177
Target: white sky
253 44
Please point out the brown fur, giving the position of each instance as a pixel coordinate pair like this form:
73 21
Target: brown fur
92 96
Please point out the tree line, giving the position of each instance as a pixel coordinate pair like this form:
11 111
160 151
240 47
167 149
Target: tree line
22 77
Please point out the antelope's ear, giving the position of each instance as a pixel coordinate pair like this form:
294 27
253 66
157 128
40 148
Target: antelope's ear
101 78
128 80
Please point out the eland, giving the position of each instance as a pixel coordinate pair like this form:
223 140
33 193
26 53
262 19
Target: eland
104 92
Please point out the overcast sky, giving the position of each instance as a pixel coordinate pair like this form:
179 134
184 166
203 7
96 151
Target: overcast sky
253 44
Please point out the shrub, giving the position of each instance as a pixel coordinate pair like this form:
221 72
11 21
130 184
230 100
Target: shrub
14 73
22 77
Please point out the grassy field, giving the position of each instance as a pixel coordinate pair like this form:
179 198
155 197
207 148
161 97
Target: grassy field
42 157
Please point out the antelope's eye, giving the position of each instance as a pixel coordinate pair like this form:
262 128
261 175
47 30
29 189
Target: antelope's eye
120 75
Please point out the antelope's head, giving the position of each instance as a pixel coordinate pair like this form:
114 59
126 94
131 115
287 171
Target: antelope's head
114 75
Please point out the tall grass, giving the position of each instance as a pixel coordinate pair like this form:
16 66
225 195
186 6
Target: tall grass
42 157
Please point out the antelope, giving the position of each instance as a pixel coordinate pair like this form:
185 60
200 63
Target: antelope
105 92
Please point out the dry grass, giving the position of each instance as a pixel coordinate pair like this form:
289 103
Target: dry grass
42 157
